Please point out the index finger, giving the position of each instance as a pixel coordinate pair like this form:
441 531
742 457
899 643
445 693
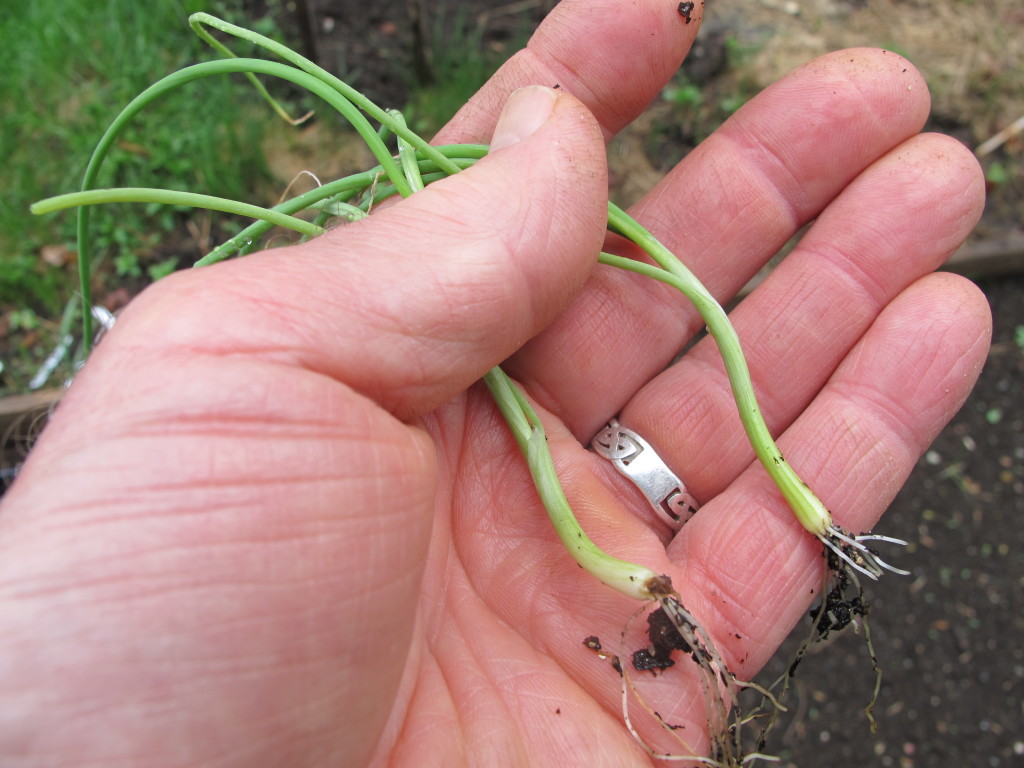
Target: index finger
612 55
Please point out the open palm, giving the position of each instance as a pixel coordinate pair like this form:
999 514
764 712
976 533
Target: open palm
276 523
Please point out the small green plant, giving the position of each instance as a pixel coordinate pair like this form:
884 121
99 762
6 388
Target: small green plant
684 94
23 320
693 113
127 265
997 173
415 165
739 51
162 269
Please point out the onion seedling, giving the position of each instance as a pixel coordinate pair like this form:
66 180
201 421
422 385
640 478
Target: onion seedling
418 164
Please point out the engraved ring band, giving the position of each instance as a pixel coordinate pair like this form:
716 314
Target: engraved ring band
634 457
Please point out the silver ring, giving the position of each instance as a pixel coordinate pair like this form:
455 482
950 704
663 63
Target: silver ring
633 457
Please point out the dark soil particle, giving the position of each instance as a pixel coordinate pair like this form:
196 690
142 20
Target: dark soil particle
593 643
664 638
837 610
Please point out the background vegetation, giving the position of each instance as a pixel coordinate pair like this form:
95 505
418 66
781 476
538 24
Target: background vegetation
69 68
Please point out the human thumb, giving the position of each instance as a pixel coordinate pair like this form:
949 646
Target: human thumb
418 301
502 247
526 110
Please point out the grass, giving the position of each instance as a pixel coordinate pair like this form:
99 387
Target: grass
69 68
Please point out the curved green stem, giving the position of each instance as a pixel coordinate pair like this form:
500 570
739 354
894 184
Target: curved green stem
628 578
343 189
196 21
187 75
218 46
173 197
419 164
407 156
809 510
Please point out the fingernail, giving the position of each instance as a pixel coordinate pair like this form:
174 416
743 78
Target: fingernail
525 112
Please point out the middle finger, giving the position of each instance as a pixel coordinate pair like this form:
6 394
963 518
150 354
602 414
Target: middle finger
727 208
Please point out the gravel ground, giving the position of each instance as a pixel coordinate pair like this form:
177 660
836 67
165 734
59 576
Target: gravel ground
950 637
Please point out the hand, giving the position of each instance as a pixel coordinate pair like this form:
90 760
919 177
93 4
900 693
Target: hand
275 522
